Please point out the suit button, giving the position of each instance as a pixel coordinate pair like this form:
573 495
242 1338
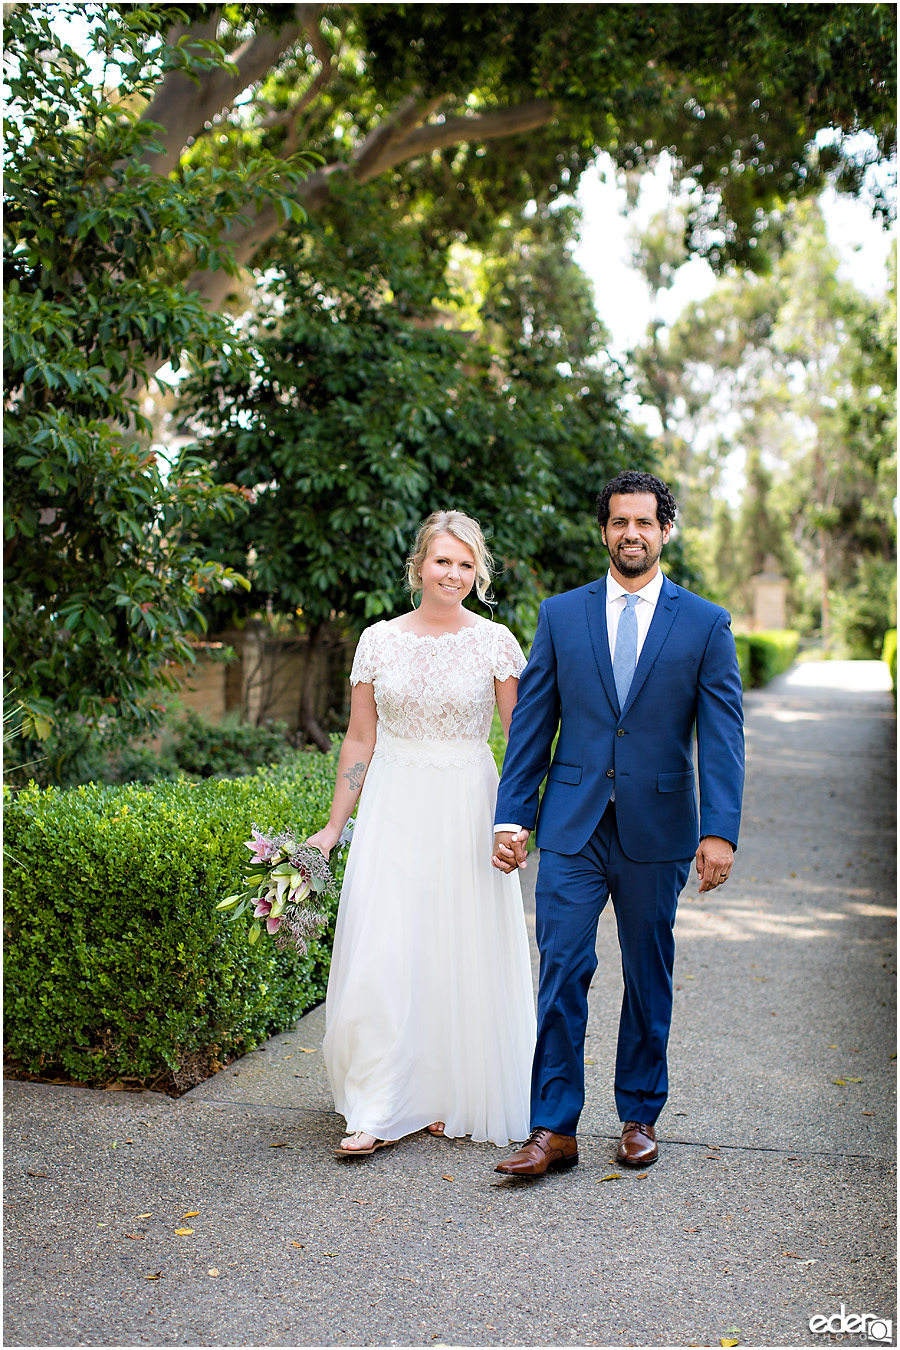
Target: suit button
620 732
610 773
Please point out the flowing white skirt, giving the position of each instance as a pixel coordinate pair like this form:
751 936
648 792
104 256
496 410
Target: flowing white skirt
430 1006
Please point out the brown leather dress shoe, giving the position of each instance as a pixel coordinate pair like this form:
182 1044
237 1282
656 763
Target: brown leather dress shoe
543 1151
638 1146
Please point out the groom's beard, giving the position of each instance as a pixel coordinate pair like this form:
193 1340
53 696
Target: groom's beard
634 567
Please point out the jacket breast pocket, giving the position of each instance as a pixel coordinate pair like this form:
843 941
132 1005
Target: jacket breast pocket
675 782
564 773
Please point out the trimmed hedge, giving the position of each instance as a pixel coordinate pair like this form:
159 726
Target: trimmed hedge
762 656
889 654
117 965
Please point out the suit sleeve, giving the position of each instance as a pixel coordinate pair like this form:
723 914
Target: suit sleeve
534 723
720 735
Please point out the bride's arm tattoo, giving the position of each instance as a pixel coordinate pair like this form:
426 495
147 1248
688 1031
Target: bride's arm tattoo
355 775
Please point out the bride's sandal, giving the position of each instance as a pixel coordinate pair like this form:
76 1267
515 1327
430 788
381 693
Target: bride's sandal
437 1128
360 1150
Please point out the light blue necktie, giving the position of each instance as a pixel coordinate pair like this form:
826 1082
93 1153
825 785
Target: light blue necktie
625 658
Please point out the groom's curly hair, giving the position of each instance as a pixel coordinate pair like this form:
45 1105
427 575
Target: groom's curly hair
631 481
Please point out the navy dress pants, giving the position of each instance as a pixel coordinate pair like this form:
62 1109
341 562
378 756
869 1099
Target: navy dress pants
572 891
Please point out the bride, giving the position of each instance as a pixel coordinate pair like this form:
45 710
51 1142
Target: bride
430 1011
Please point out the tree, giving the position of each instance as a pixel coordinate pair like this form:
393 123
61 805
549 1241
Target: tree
796 370
364 406
474 108
104 583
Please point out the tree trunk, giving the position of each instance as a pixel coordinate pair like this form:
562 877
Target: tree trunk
307 714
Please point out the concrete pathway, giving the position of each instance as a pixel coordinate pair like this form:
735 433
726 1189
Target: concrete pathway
773 1201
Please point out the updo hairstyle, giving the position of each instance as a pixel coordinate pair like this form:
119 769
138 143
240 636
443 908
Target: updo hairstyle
468 532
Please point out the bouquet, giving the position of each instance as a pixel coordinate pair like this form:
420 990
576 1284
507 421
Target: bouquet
280 879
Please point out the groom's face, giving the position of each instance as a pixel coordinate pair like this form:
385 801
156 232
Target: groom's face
633 535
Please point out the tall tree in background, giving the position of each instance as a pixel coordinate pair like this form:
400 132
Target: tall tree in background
796 369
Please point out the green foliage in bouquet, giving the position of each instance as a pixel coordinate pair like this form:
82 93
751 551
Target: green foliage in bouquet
117 965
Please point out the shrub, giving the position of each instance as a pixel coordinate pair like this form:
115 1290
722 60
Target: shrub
228 749
742 643
889 654
762 656
770 654
117 965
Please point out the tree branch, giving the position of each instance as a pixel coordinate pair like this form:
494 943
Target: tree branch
456 130
379 152
367 156
183 108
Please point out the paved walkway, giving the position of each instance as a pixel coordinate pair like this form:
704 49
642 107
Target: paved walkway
772 1201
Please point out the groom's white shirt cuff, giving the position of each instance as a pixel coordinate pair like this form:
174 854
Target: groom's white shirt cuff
501 829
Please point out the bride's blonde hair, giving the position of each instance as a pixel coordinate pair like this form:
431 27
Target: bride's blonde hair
468 532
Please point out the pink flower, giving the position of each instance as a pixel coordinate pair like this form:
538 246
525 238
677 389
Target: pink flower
261 847
273 925
262 909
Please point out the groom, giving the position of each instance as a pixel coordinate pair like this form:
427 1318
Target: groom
625 669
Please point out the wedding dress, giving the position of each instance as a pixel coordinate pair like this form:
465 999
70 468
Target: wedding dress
430 1008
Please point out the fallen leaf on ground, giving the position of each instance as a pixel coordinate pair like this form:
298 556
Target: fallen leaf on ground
191 1214
611 1176
304 1051
35 1174
153 1277
282 1145
296 1244
446 1177
212 1272
728 1340
854 1080
183 1232
690 1230
145 1216
137 1236
839 1082
360 1202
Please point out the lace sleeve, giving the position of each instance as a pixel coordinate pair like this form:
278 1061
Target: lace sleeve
364 662
508 660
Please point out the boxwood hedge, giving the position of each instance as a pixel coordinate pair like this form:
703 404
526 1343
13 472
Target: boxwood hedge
762 656
117 965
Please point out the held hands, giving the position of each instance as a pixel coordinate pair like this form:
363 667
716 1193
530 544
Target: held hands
325 839
715 858
509 850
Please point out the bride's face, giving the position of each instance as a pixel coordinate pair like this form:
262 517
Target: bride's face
448 572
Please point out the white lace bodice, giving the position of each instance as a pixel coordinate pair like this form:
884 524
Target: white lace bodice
436 688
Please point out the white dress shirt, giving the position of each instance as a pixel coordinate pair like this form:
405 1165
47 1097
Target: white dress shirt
643 612
615 603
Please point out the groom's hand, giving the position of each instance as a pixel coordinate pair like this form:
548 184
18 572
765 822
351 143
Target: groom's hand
715 858
509 850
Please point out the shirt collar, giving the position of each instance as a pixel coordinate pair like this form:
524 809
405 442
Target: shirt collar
650 592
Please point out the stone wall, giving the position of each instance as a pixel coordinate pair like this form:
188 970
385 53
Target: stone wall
262 683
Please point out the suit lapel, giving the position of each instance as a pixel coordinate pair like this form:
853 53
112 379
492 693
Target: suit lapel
663 618
595 603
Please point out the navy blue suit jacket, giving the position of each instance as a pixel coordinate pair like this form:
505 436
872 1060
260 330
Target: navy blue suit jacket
687 677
